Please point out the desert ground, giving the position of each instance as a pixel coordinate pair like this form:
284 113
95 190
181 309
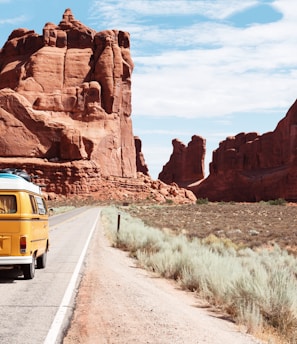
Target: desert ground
247 224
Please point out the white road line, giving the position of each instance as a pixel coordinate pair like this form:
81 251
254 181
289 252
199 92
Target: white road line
56 325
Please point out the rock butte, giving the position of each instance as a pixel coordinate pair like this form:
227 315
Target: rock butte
65 111
186 164
245 168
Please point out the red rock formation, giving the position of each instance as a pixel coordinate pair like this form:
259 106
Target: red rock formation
186 163
140 161
252 167
66 95
80 179
65 110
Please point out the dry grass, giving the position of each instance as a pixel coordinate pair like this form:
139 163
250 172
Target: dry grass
264 290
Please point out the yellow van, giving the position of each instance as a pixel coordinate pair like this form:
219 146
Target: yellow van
24 239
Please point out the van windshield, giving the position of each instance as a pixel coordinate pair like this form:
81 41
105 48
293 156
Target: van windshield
7 204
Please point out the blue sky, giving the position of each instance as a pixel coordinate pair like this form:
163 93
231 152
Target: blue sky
213 68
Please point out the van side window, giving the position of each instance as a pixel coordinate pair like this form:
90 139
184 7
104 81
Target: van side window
33 205
41 205
8 204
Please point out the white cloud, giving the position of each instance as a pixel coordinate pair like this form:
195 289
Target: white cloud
207 68
210 8
13 20
251 69
201 92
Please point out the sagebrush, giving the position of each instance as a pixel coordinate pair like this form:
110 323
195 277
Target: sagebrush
257 288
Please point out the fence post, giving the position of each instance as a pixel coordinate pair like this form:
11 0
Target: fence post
119 222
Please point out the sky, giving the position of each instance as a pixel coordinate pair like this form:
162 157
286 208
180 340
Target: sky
213 68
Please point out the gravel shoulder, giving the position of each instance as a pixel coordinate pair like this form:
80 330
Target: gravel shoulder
119 303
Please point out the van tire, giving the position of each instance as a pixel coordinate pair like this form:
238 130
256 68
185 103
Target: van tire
29 270
41 261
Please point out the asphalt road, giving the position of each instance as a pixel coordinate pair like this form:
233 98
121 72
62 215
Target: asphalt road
29 308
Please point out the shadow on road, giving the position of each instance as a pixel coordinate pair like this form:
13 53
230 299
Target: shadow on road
10 275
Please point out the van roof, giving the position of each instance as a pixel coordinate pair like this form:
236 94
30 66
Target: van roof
9 181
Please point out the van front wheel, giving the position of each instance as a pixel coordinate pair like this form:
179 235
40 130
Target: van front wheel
29 270
41 261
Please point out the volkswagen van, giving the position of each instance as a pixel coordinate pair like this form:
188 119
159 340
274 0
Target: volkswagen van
24 239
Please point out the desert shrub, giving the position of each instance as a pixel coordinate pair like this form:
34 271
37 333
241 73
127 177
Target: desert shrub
250 316
202 201
221 245
138 237
226 202
257 288
279 201
166 262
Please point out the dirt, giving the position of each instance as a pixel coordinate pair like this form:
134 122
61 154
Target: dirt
118 303
252 225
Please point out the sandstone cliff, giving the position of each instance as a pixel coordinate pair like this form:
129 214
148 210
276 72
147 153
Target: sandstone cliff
253 167
140 161
65 112
186 163
65 95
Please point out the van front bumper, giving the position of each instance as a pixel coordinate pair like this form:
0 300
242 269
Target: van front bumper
15 260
